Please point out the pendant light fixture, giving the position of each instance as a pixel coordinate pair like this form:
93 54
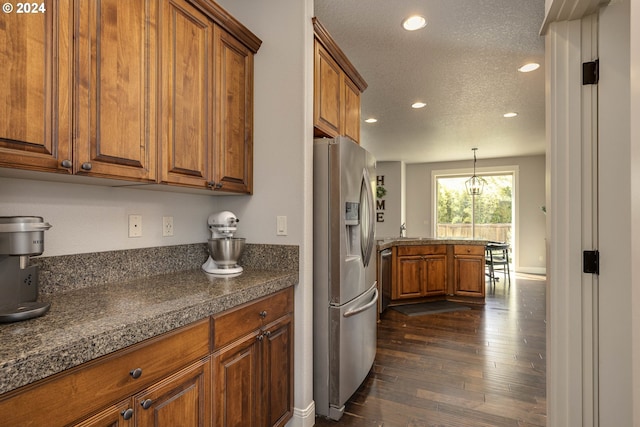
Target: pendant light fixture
475 184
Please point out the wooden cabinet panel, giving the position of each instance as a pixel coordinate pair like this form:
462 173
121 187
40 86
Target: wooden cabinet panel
186 94
351 111
277 381
115 113
113 416
436 282
183 399
253 370
235 383
234 123
469 275
410 277
35 89
327 88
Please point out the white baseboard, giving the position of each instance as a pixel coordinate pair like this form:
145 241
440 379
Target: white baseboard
305 417
532 270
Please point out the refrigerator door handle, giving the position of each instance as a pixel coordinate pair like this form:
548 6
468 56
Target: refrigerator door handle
362 308
367 237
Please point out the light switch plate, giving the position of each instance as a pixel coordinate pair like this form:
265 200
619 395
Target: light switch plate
281 226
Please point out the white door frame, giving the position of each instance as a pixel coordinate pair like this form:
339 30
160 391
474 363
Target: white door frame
590 339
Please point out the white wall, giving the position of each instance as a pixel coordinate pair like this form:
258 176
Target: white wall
530 244
89 219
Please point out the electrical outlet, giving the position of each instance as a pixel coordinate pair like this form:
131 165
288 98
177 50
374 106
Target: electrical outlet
167 226
135 225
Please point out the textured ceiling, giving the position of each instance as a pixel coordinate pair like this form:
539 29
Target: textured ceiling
463 65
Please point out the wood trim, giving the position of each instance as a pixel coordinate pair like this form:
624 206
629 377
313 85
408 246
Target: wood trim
223 18
323 36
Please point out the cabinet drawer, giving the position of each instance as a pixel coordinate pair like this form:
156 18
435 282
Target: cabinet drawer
67 396
249 317
468 250
422 250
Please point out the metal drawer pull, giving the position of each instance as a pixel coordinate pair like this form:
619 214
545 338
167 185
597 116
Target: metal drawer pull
263 314
360 309
86 166
136 373
146 404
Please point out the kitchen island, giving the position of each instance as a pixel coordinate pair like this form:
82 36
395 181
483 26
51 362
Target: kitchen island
106 351
428 269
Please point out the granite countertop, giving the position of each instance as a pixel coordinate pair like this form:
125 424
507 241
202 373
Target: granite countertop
386 243
87 323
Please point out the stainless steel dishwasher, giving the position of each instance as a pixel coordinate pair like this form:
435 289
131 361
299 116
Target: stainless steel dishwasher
385 278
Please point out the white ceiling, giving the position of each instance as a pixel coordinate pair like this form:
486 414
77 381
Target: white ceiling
463 65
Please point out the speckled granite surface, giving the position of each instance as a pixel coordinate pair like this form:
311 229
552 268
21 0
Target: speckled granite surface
90 321
408 241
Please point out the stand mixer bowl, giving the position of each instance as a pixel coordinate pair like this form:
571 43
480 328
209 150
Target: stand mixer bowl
225 251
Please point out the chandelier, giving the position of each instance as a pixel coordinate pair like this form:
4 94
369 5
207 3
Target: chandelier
475 184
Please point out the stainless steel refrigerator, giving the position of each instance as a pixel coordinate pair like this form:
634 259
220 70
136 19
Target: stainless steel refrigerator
344 273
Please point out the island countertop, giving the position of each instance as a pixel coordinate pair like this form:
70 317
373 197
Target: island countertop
385 243
87 323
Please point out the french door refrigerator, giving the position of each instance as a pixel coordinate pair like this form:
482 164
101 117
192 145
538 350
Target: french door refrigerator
344 274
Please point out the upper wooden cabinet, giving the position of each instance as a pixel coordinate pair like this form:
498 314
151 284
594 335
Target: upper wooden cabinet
148 91
337 89
35 89
115 110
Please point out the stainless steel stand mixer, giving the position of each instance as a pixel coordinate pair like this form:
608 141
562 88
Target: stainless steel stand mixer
20 238
224 249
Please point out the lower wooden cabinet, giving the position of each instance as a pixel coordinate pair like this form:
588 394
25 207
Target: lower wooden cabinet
175 379
183 399
421 271
253 367
425 272
468 261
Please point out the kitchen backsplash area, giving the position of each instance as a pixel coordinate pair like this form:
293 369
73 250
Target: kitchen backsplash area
68 272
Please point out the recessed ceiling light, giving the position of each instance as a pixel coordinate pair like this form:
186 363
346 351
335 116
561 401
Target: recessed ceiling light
529 67
414 22
418 105
371 120
512 114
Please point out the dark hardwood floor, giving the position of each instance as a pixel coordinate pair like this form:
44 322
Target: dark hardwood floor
479 367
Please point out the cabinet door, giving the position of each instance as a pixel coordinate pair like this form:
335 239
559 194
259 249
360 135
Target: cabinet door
277 378
469 275
351 110
327 90
235 383
233 155
436 283
35 90
410 278
116 88
186 95
183 399
119 415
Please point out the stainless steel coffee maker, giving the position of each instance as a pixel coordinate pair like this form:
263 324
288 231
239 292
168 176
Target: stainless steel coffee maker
20 238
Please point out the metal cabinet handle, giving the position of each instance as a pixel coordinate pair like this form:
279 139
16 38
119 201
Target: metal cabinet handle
146 404
127 413
214 185
136 373
267 334
263 314
66 163
86 166
260 337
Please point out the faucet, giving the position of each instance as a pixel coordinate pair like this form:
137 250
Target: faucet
403 229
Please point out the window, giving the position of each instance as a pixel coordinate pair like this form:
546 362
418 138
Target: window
487 216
